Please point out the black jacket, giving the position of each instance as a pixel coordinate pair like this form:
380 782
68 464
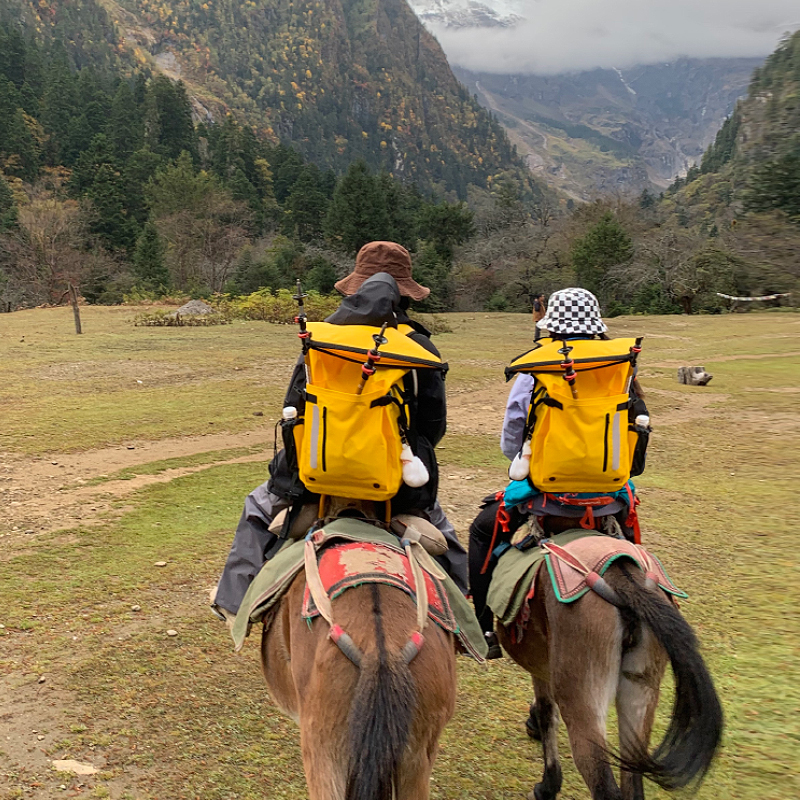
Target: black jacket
378 301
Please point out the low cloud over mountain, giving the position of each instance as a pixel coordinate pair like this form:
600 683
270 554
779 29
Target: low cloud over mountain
554 36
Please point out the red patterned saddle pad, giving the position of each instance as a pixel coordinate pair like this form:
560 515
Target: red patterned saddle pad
343 566
596 554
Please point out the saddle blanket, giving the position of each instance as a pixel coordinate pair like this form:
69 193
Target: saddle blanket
351 553
516 573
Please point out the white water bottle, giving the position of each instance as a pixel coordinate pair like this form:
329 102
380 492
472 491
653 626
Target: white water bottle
642 423
521 465
289 412
415 473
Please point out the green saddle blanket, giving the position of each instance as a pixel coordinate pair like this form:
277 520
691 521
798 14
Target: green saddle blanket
278 573
574 559
513 576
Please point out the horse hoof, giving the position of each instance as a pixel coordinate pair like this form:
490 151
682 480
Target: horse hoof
532 727
539 793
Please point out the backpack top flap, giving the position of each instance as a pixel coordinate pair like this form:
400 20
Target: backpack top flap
353 343
587 354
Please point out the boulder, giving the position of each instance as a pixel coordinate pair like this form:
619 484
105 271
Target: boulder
694 376
194 308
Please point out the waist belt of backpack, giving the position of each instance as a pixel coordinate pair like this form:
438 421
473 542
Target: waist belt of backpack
588 503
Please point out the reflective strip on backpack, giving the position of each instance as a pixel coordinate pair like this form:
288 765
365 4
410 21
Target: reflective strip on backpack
617 437
314 436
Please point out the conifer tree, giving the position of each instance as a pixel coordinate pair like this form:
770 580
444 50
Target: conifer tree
58 103
305 207
125 128
169 129
109 218
605 245
8 208
148 259
357 212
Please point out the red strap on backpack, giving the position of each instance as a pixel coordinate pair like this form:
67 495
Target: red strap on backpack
502 520
632 520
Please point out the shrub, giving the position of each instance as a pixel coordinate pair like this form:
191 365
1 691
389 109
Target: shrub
279 307
163 318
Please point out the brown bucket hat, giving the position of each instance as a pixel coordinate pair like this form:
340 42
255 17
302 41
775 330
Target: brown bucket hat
387 257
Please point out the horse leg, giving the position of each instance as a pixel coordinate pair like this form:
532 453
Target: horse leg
434 673
324 767
585 661
643 664
547 716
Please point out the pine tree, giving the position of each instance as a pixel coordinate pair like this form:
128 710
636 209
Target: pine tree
148 259
357 212
305 207
138 170
125 129
20 148
109 218
604 246
8 207
169 130
58 104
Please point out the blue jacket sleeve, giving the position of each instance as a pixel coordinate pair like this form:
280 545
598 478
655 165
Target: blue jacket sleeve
519 398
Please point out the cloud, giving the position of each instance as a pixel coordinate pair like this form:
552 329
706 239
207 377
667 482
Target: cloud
572 35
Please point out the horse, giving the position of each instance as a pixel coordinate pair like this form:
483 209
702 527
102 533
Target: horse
370 698
585 654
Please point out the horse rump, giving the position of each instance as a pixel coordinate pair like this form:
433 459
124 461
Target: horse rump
380 719
695 729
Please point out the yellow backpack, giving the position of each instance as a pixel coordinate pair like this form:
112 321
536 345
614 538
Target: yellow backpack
354 430
578 437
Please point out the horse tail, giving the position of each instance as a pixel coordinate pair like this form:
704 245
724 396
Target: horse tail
695 728
380 718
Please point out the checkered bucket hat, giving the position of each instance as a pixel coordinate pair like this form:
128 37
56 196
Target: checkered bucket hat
572 311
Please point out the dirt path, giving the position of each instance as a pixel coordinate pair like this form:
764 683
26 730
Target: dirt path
49 492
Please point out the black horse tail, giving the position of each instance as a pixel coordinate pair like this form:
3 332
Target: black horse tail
695 728
380 718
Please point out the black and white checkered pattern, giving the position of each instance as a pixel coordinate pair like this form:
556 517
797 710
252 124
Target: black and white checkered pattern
572 311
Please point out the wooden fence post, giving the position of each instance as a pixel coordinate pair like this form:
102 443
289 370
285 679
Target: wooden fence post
76 312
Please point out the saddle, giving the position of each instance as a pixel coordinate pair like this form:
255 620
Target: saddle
575 561
348 552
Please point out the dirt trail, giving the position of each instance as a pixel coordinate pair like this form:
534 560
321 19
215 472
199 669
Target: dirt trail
49 492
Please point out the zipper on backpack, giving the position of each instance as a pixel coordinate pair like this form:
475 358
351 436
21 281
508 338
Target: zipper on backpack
605 444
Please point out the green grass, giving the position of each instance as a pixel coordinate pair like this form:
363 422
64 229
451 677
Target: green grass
183 717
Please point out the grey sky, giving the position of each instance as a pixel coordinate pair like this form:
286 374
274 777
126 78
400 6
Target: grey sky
570 35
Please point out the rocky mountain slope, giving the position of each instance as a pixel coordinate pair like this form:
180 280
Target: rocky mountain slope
608 131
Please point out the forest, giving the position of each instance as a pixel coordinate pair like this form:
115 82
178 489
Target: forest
112 183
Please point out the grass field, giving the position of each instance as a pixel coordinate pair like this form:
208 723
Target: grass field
130 446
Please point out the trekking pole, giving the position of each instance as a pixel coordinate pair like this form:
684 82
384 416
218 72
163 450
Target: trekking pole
373 356
635 350
301 317
568 365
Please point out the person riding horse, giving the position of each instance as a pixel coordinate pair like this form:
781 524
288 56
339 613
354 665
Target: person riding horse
379 290
571 314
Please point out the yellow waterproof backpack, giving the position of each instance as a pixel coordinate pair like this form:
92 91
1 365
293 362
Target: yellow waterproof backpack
353 432
578 437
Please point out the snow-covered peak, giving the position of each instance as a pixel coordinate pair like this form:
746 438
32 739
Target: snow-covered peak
468 13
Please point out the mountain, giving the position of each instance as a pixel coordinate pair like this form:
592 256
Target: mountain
753 166
467 13
604 131
339 80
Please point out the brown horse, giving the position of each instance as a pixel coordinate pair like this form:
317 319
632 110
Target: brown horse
370 720
585 654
